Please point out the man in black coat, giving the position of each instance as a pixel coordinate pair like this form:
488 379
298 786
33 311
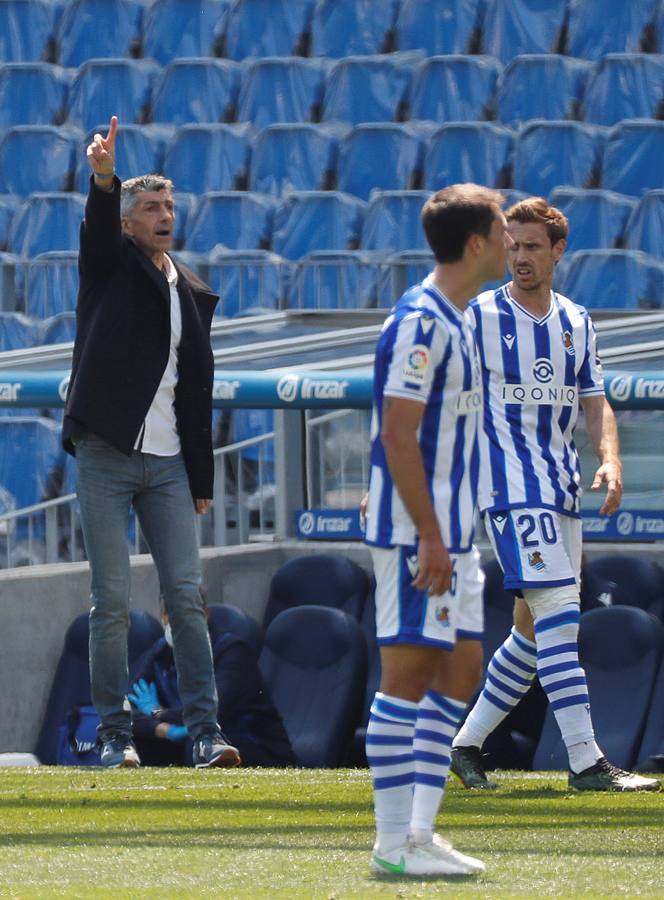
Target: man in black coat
138 419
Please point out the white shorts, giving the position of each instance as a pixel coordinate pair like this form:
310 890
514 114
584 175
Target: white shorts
406 615
536 548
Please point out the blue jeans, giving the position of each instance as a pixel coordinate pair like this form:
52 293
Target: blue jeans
108 483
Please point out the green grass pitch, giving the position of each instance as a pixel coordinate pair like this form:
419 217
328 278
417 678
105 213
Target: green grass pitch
248 833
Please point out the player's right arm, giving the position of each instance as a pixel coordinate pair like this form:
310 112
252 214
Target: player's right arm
399 435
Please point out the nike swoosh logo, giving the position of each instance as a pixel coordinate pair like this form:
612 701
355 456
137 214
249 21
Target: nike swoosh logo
397 868
509 340
426 325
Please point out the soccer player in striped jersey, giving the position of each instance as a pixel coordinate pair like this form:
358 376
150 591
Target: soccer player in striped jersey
420 519
539 362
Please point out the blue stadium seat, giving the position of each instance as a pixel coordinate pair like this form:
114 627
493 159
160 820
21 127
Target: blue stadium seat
314 660
37 158
196 90
447 26
632 161
106 87
650 756
267 27
32 94
29 448
400 272
202 158
614 279
348 27
238 220
281 90
10 266
319 579
369 88
392 221
597 218
47 221
317 220
620 649
477 151
185 207
251 423
245 279
513 27
98 28
58 329
645 225
71 682
16 331
26 27
333 279
511 197
453 88
596 28
520 95
624 86
178 28
639 581
358 756
51 283
9 203
223 618
301 157
550 154
139 150
380 157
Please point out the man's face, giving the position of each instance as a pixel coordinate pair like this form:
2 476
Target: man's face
531 257
151 222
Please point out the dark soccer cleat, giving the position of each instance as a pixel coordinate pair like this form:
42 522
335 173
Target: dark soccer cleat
466 763
118 752
605 777
213 751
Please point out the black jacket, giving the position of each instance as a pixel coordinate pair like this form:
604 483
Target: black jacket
123 334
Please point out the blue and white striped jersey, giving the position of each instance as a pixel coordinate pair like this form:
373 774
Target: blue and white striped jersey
534 371
426 352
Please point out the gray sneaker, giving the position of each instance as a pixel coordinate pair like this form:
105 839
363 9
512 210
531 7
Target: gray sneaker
118 752
605 777
213 750
466 764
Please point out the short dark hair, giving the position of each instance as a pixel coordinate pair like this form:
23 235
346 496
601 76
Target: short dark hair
536 209
451 215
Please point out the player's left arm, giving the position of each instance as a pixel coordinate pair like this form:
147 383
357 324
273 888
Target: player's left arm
603 431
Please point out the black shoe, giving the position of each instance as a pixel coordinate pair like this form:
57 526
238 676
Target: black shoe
466 764
118 752
214 750
603 776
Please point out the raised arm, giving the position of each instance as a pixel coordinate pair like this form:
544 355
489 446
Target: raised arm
101 156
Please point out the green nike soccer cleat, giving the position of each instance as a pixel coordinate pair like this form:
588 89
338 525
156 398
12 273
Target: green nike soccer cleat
466 764
605 777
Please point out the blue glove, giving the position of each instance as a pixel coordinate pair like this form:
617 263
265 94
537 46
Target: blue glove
144 697
176 733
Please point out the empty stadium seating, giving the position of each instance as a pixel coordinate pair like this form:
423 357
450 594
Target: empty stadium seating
519 94
596 28
317 220
202 158
453 88
29 449
58 329
16 331
187 91
45 222
177 28
37 158
267 27
512 27
379 157
223 618
632 158
300 157
639 582
348 27
106 87
597 218
478 151
98 28
645 225
32 94
238 220
139 149
650 756
281 90
392 221
368 88
614 279
333 279
26 28
624 86
447 26
246 279
399 272
549 154
51 283
9 203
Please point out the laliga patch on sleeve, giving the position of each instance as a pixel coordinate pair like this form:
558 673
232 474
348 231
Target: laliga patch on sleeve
417 363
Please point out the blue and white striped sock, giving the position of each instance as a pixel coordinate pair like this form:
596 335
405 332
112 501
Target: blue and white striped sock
389 747
562 677
510 673
437 721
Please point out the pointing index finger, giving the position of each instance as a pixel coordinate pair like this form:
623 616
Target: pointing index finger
112 131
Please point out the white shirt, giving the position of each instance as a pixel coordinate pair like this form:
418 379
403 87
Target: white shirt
534 371
426 353
159 434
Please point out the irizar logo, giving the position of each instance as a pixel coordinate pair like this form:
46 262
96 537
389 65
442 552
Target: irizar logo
63 388
306 522
225 390
625 523
287 388
620 387
311 522
9 391
324 389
